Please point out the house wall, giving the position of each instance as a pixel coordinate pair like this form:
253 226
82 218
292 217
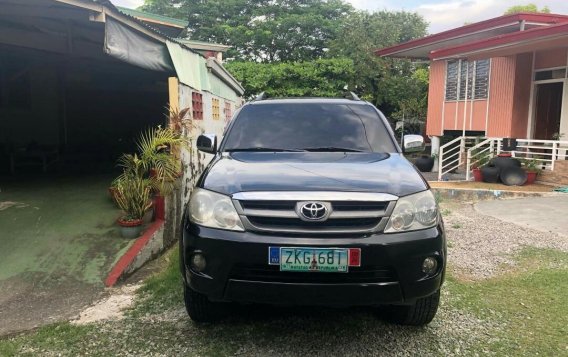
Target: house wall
550 58
451 115
502 81
436 89
194 161
521 95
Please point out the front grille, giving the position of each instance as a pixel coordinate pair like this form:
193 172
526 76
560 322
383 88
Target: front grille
267 273
292 223
359 206
278 212
269 205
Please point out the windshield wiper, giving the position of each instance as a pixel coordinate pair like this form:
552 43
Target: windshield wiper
263 149
332 149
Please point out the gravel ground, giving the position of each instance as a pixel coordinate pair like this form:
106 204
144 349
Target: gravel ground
481 246
262 331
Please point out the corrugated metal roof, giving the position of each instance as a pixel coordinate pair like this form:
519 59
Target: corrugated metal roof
147 16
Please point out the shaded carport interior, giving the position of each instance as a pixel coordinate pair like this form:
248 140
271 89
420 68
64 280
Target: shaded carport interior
62 97
65 100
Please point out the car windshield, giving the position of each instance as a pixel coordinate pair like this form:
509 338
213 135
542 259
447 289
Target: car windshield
315 127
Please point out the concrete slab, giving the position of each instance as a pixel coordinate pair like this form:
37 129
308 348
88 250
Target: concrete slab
546 214
58 241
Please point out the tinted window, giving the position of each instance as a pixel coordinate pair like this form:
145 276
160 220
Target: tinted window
309 125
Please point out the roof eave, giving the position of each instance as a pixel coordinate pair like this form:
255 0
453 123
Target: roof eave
494 43
482 26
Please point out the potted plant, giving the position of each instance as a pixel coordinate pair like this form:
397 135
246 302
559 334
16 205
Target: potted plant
479 163
133 198
533 169
157 148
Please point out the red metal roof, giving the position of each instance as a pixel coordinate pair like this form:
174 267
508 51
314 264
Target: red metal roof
441 39
507 43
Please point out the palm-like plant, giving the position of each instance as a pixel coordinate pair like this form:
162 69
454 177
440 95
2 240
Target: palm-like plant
133 197
156 147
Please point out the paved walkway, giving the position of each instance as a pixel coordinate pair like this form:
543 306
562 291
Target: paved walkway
546 214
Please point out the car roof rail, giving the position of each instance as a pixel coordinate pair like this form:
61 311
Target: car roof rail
352 96
261 96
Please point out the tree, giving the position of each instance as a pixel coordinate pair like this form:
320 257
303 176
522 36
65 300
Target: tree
527 8
386 82
260 30
318 78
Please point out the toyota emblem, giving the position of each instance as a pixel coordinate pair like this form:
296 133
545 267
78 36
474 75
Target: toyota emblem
313 211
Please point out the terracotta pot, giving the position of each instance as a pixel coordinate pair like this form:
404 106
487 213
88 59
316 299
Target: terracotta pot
531 177
477 175
130 229
159 207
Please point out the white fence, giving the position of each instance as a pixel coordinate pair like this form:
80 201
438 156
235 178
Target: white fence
468 152
452 155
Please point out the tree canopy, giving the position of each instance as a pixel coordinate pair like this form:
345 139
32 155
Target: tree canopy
527 8
383 81
310 48
318 78
260 30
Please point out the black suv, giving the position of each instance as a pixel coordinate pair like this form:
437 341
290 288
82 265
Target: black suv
311 202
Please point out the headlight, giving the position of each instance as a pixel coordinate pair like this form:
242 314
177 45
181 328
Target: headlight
213 210
414 212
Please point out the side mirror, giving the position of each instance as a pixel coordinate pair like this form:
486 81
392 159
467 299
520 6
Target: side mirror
207 143
413 143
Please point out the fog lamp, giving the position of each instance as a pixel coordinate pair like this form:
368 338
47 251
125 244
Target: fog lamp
430 265
198 262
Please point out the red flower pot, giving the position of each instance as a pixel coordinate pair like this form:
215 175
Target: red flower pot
477 175
531 177
132 223
130 229
159 207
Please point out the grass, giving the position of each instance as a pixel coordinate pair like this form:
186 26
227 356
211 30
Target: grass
528 305
161 290
531 301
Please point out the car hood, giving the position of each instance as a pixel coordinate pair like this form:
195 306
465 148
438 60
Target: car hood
235 172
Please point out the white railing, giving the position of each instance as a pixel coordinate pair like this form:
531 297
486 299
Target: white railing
451 155
545 152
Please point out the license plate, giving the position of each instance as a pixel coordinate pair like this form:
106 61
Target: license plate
325 260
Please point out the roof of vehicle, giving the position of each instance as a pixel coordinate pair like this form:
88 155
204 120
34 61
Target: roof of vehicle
307 100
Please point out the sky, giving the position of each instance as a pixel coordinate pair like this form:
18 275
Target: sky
441 14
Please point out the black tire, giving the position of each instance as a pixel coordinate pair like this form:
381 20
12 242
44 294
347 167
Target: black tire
200 308
419 314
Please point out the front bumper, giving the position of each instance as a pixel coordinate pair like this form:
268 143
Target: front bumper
237 268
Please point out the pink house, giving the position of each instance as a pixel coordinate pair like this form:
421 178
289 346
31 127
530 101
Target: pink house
505 77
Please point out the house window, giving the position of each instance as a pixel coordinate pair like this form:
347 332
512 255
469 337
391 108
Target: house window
467 77
228 112
216 109
559 73
197 105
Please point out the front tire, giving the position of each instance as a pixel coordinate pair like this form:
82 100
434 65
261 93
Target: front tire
421 313
200 308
